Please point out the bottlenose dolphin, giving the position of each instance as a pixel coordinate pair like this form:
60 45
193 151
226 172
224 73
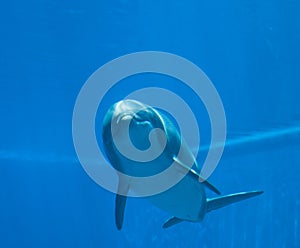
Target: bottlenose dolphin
186 200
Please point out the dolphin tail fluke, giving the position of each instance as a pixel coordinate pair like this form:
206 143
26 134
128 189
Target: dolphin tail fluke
172 221
219 202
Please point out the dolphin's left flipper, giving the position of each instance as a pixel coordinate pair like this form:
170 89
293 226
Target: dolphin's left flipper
209 185
198 177
219 202
172 221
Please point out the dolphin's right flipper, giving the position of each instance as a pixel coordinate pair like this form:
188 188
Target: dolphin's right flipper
121 198
219 202
198 177
119 210
172 221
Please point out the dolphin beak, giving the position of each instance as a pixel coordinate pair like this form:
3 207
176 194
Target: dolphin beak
124 117
128 117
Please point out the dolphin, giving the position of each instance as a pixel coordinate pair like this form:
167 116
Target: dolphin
186 200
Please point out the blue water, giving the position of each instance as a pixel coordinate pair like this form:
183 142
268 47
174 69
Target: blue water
249 49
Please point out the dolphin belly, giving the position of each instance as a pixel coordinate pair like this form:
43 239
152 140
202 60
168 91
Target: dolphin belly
186 200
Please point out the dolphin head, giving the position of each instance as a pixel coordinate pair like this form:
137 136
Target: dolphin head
130 121
134 117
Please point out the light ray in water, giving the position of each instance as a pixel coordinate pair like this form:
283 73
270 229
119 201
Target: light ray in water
275 136
29 156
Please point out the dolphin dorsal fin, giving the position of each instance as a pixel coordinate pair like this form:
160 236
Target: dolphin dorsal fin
198 177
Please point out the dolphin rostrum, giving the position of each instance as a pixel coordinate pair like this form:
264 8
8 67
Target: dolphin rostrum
186 200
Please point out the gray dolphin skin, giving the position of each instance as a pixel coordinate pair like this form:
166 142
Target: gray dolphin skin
186 200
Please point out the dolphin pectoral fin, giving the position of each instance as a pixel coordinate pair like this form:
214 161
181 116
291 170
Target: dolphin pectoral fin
120 204
198 177
119 210
209 185
172 221
219 202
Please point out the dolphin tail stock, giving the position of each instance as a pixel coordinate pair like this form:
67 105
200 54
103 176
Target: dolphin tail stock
222 201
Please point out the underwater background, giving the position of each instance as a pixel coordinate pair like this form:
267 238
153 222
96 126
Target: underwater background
250 51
